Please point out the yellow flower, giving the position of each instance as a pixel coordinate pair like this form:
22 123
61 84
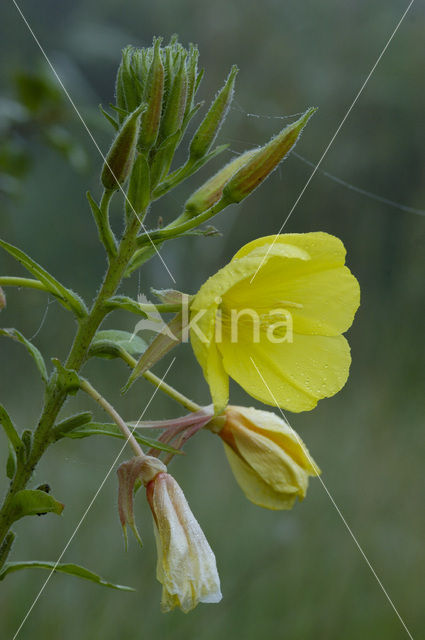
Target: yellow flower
186 565
285 323
270 462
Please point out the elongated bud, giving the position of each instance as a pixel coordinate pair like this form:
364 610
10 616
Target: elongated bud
211 192
176 100
210 126
265 161
121 154
2 299
153 95
128 91
192 74
138 194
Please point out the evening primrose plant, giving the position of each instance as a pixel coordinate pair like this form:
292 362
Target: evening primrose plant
272 319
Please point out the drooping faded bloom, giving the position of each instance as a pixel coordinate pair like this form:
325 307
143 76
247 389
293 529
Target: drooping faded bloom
2 299
269 460
279 307
186 565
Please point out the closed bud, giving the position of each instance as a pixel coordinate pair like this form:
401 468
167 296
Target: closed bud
153 95
120 156
192 76
138 194
210 126
265 161
211 192
2 299
127 89
176 99
269 460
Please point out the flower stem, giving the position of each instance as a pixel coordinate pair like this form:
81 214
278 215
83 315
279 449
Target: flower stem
88 388
12 281
162 386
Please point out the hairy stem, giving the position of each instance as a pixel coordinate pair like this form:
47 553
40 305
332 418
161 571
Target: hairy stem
55 395
88 388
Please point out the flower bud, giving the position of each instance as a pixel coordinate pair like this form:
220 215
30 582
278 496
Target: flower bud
207 132
128 91
120 156
176 99
186 565
138 194
210 192
153 95
265 161
269 460
2 299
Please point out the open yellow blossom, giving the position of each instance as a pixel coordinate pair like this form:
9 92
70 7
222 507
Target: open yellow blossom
269 460
286 322
186 565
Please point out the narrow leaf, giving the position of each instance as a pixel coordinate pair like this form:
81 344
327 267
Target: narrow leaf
111 430
29 502
67 297
73 422
104 342
126 303
10 430
32 350
70 569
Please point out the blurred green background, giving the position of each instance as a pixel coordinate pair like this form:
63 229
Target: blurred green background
295 575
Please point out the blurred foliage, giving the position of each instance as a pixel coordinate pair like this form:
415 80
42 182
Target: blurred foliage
296 575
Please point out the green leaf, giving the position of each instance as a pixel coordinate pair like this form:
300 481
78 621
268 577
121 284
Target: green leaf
73 422
112 430
109 343
67 379
126 303
141 256
68 298
11 461
29 502
32 350
10 430
70 569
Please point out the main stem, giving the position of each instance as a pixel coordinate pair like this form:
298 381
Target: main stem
55 395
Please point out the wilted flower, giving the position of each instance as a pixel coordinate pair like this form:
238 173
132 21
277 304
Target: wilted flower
279 307
186 565
2 299
270 462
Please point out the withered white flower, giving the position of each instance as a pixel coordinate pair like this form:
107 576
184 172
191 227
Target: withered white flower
186 565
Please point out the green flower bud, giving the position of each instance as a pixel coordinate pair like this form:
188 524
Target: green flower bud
211 192
192 77
264 161
128 89
210 126
153 95
138 194
176 100
121 154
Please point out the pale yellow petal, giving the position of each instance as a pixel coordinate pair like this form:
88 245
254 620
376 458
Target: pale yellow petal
254 488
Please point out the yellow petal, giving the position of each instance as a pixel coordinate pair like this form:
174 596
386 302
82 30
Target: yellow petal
296 375
255 489
277 430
